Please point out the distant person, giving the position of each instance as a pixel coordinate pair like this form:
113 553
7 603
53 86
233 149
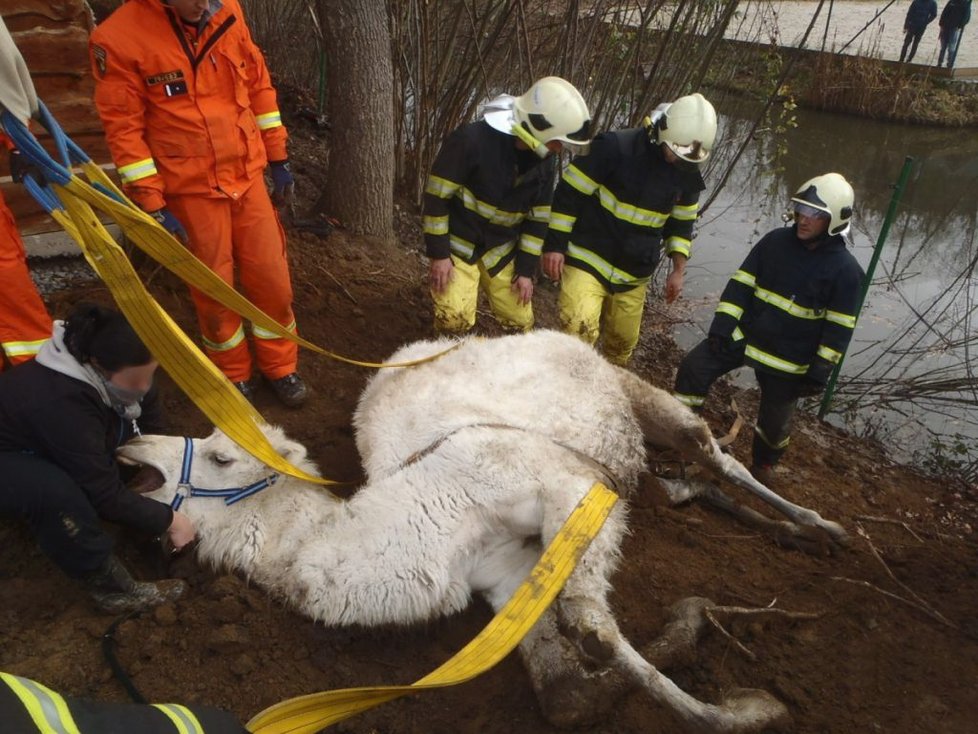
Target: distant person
920 15
487 203
633 196
62 416
789 312
954 18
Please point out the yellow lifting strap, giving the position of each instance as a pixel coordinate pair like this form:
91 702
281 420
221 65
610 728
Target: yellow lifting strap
308 714
160 245
189 368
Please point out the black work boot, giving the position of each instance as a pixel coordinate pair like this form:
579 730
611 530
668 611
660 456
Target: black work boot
291 390
246 388
115 591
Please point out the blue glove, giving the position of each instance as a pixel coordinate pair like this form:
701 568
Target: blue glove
283 185
171 224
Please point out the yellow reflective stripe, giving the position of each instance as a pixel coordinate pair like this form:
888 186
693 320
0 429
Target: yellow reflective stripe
693 401
461 247
506 219
269 120
779 445
684 212
47 709
20 349
561 222
786 304
580 180
441 187
678 244
492 257
531 244
843 319
609 271
138 170
630 212
777 363
236 338
737 334
829 354
435 225
260 333
730 309
182 717
742 276
539 214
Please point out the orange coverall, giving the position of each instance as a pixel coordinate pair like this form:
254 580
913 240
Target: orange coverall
24 321
191 119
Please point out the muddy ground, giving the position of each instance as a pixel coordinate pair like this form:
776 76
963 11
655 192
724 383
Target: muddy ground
873 661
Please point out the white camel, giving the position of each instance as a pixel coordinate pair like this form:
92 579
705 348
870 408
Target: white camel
474 461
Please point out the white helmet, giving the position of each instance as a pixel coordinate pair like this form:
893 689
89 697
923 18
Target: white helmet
551 109
829 193
688 126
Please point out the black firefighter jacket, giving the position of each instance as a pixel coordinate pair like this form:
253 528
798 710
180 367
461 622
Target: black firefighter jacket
795 307
616 206
486 200
64 420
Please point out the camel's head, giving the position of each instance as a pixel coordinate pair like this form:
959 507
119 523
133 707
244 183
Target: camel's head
217 462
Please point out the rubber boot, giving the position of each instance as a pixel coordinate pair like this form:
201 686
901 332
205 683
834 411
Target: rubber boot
117 592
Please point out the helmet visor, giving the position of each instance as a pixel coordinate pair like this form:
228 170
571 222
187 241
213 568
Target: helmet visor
693 152
809 211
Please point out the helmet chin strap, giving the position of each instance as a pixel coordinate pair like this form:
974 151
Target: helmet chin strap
531 142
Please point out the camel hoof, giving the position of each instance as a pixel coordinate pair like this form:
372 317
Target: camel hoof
756 710
592 630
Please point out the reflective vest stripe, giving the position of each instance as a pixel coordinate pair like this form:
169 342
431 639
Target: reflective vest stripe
742 276
435 225
21 349
629 212
182 717
462 248
236 338
441 187
737 334
829 354
678 244
540 214
260 333
562 222
693 401
782 365
787 305
843 319
138 170
779 445
269 120
606 269
685 212
579 180
47 709
492 257
531 244
730 309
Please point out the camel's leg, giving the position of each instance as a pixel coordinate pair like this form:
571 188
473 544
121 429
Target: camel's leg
667 422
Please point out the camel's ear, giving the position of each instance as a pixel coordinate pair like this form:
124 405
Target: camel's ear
292 451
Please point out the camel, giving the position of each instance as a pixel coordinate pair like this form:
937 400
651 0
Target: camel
473 463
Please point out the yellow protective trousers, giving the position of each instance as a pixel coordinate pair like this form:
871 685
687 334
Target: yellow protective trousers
589 310
455 306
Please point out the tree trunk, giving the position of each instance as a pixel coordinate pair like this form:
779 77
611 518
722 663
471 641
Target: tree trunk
360 178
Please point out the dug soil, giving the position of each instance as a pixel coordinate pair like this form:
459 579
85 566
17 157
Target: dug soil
892 645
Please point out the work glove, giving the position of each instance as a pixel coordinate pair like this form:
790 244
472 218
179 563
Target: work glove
808 388
283 185
21 167
171 224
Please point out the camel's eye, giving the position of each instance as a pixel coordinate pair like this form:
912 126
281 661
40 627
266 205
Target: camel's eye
221 459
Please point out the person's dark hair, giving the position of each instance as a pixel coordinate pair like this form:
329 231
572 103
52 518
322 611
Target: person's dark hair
102 334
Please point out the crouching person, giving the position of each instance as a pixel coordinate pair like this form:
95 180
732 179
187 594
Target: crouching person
788 312
62 417
27 707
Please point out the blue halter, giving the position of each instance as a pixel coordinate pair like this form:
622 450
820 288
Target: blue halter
231 495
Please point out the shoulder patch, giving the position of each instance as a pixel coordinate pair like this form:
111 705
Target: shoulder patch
165 77
98 53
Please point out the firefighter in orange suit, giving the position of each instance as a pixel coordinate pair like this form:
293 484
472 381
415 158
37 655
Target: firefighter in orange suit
24 321
191 119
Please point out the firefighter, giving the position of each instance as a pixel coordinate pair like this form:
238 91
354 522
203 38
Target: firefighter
191 119
487 202
62 416
788 312
28 707
615 208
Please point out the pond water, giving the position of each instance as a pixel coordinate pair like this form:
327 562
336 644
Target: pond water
786 23
917 317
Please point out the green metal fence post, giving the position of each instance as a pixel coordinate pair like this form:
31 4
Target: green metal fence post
877 251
